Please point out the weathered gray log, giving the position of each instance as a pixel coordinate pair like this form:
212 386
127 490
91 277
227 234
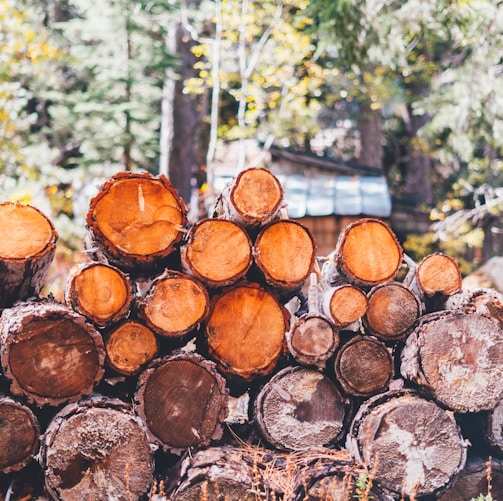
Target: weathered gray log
411 445
299 408
183 401
96 449
49 353
27 249
456 356
19 435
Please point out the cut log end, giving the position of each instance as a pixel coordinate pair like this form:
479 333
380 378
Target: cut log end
438 274
344 304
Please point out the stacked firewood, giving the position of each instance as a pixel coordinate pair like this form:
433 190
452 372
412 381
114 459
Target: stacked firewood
224 359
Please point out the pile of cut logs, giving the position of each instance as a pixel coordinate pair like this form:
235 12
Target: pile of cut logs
225 360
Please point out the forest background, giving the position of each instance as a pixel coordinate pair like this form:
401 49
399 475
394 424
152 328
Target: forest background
89 89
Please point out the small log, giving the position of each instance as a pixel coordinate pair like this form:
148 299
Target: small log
392 311
218 252
312 340
438 274
252 199
49 353
285 252
99 291
299 408
130 346
364 366
27 249
135 222
174 305
96 449
367 253
457 357
245 331
410 445
183 401
19 435
344 304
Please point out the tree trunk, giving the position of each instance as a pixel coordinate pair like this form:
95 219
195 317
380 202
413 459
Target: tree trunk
27 253
456 356
371 140
135 222
19 435
49 353
218 252
300 408
183 400
100 292
96 449
130 346
245 331
174 305
410 445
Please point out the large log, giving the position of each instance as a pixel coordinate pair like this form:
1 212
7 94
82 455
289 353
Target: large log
135 222
96 449
19 435
411 445
99 291
456 356
245 331
217 251
299 408
27 248
49 353
183 401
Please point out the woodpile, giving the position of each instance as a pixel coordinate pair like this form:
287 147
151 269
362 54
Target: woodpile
225 360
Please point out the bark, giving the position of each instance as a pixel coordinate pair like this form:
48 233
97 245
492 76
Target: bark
299 408
135 222
457 357
100 292
49 353
438 274
344 304
218 252
183 401
410 444
96 449
27 253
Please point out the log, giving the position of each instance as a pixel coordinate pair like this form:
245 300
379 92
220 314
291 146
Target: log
19 435
299 408
312 340
245 331
100 292
183 401
96 449
27 253
492 426
411 446
174 305
49 353
367 253
130 346
364 366
218 252
252 199
285 251
438 274
344 304
485 301
135 222
457 357
392 311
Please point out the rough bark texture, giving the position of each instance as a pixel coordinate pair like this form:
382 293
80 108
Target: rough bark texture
99 291
457 356
27 253
135 222
344 304
411 445
183 401
49 353
438 274
299 408
96 449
